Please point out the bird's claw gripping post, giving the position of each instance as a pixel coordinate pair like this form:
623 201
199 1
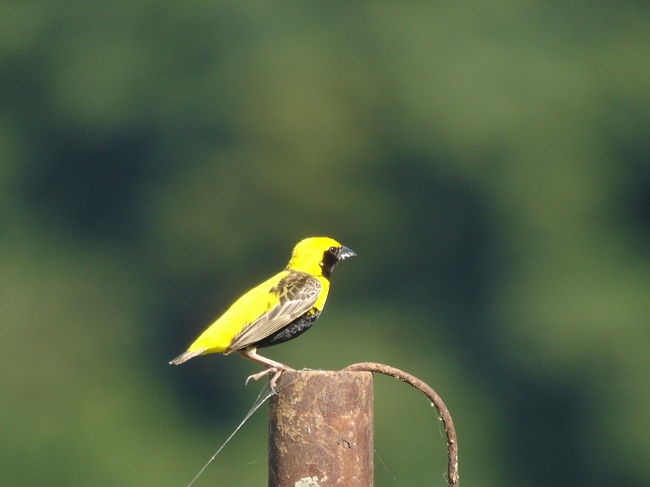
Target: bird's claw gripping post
276 371
271 366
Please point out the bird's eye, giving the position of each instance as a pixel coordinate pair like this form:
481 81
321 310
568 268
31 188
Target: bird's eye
333 249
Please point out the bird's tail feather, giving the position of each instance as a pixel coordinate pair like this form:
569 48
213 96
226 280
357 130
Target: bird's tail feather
184 357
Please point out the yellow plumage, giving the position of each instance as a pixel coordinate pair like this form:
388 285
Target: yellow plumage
245 310
277 310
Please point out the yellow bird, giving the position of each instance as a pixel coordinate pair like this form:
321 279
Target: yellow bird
279 309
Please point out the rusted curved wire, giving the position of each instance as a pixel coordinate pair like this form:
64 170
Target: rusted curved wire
424 388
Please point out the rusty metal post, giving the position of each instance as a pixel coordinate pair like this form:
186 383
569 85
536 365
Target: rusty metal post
321 430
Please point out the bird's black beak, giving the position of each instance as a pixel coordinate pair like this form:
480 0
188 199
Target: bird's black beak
346 253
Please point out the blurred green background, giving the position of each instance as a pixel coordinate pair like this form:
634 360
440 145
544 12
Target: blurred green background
489 162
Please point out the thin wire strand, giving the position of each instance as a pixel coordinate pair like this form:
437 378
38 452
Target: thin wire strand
383 464
266 392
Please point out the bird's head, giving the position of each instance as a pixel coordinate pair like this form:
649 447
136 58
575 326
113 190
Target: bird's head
318 255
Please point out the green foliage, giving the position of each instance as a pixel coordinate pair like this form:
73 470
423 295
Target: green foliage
488 162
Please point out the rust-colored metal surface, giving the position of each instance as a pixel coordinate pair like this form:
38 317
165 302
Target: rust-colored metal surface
321 430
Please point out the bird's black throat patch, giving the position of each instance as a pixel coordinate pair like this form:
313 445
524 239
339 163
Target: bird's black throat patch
330 259
296 328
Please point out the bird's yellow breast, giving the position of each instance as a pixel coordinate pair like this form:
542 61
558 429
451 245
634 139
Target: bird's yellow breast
322 297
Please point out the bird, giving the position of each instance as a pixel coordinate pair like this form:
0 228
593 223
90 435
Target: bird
275 311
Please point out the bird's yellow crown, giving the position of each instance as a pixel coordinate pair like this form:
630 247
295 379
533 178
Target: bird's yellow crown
308 254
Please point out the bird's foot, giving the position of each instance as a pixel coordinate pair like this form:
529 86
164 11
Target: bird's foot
259 375
276 371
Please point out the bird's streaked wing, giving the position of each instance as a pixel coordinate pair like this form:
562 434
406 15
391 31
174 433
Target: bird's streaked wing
297 292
